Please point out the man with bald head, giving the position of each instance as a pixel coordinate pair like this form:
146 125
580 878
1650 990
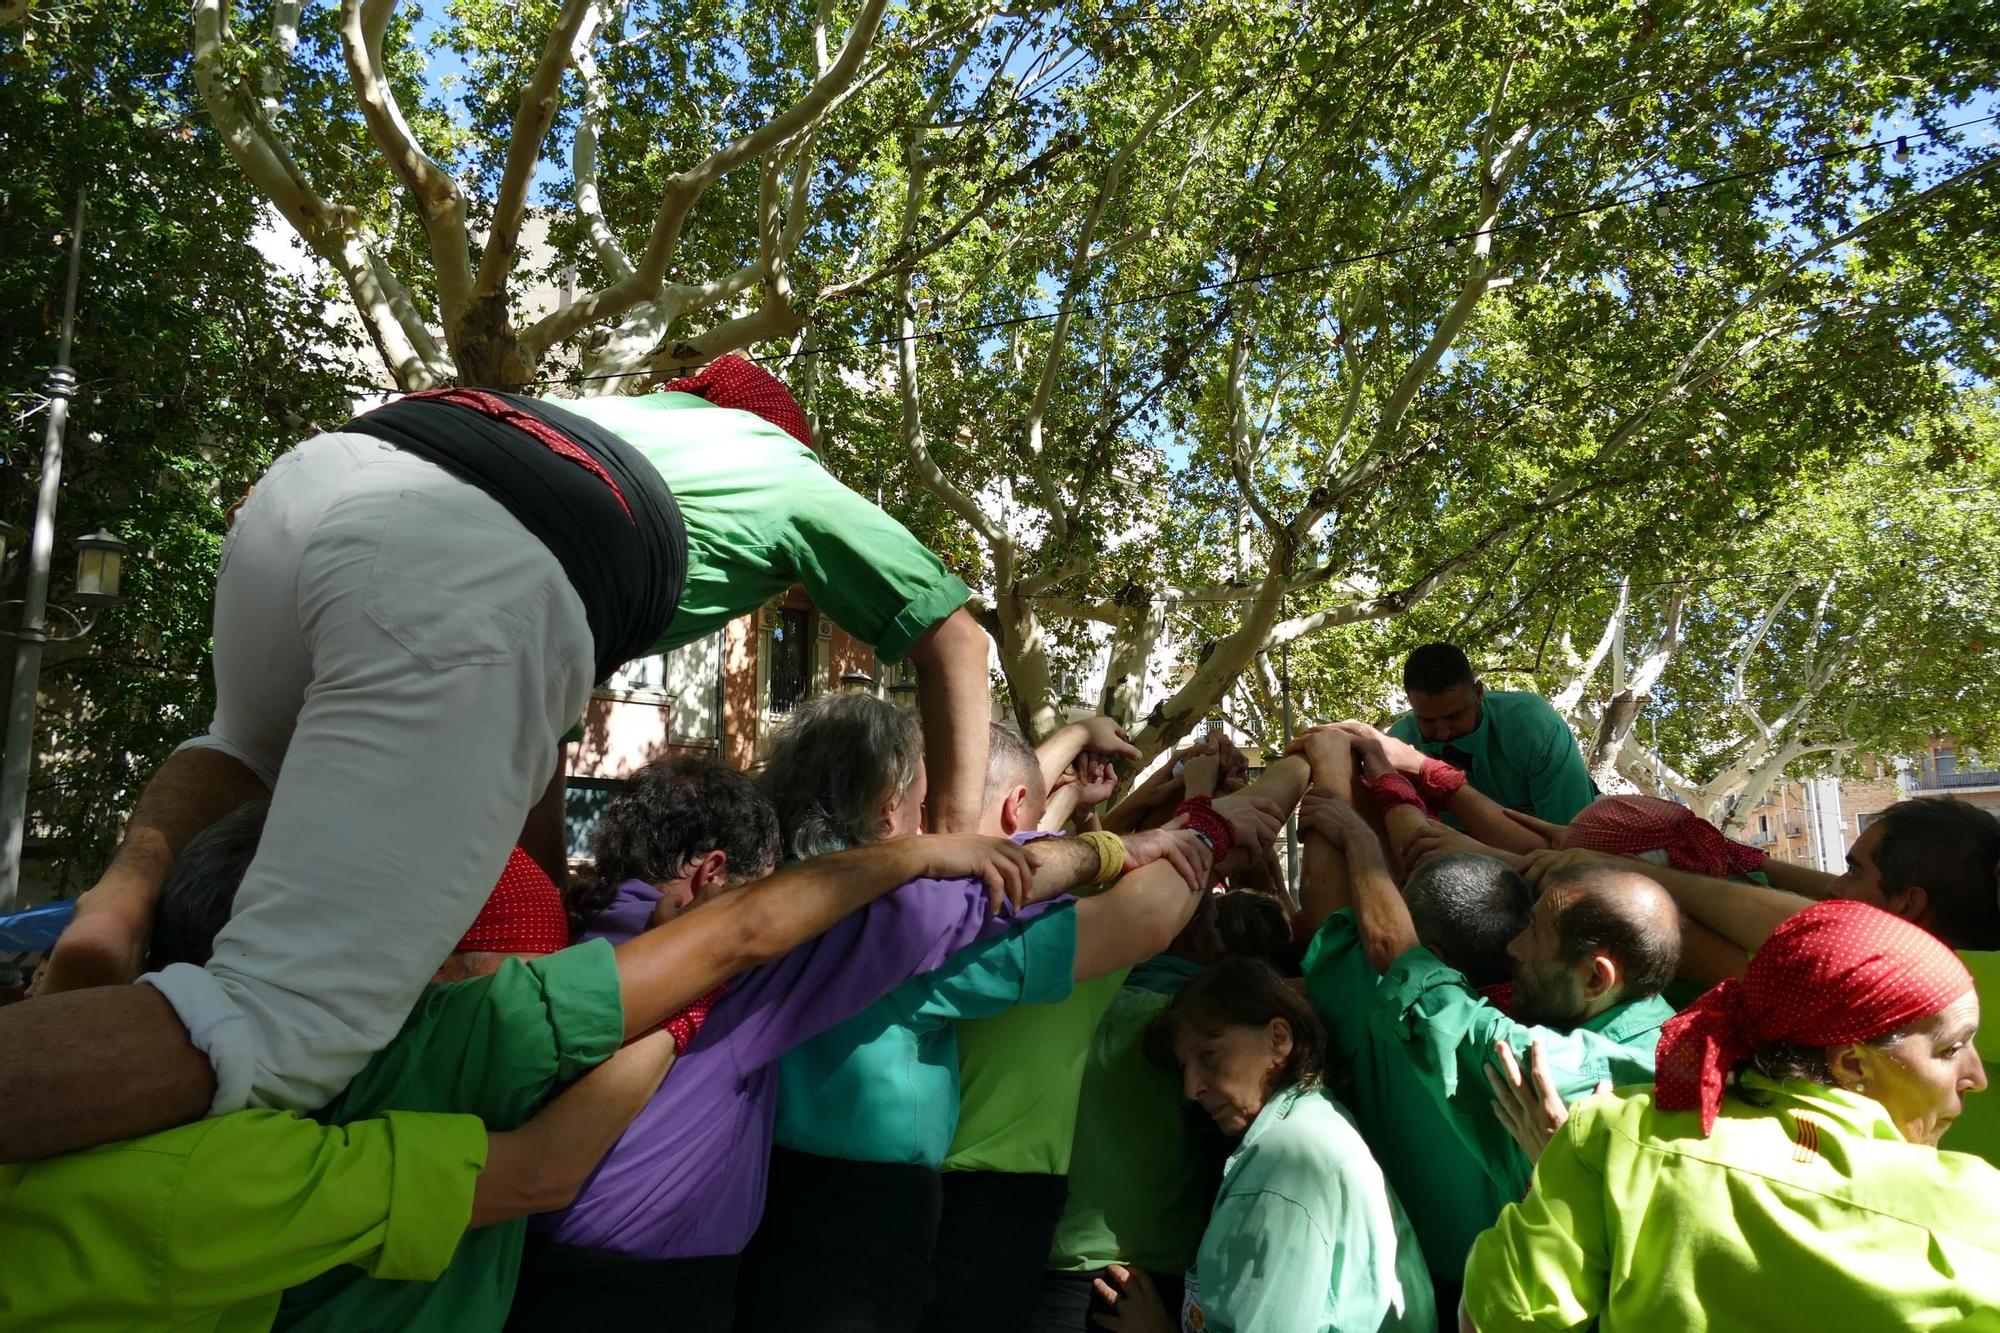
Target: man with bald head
1587 972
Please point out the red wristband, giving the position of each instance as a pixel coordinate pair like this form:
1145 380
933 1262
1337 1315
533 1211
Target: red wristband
684 1025
1199 811
1438 781
1395 789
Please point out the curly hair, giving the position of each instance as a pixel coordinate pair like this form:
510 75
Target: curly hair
667 817
834 764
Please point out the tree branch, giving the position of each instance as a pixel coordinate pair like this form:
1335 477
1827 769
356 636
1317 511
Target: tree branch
532 118
583 152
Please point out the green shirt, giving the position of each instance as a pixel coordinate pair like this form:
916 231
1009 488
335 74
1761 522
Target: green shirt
762 514
1018 1076
1307 1236
883 1086
498 1046
202 1227
1448 1194
1807 1212
1977 1129
1447 1029
1522 753
1143 1163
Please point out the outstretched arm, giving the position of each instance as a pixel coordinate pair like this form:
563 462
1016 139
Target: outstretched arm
1743 914
1140 915
105 944
542 1166
952 691
1100 736
663 970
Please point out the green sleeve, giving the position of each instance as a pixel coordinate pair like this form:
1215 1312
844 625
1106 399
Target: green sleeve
497 1046
1033 963
272 1200
1340 983
1544 1263
1266 1264
863 568
1559 788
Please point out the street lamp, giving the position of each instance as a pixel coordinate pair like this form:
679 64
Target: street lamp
99 556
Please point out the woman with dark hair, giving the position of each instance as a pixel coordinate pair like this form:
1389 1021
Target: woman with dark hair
1306 1235
1784 1171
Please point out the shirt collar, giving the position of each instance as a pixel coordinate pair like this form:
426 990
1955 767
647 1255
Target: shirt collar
1276 1109
1623 1023
1473 742
1849 1111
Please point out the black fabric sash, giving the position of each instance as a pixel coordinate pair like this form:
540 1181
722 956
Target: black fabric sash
600 508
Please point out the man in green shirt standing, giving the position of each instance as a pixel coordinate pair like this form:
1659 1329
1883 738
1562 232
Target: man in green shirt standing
1513 746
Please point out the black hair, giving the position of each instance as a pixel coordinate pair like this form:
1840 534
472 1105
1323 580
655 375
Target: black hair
1950 849
1469 908
1435 668
1254 925
1246 992
667 817
1637 929
199 893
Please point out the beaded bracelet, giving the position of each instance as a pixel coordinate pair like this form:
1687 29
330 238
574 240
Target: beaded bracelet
1110 855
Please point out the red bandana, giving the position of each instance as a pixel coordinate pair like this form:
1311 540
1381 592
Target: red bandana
1838 972
523 915
730 381
685 1025
1631 825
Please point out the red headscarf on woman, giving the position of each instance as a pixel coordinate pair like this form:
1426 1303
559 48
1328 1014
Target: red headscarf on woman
1838 972
1632 825
731 381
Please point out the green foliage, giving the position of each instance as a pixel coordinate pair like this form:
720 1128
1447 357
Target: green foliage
197 361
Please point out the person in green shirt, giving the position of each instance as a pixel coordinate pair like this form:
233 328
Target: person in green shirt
1932 861
866 1110
1306 1234
1785 1172
1587 975
1514 747
1005 1178
1143 1164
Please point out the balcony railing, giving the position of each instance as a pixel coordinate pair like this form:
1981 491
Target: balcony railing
1963 778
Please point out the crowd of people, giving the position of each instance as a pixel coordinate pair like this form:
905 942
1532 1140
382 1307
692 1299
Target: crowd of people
920 1027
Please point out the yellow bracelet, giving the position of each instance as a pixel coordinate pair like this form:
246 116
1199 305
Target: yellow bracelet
1110 855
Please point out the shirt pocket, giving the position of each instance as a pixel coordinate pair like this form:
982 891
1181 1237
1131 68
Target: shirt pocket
444 580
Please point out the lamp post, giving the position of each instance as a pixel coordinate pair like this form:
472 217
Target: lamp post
33 631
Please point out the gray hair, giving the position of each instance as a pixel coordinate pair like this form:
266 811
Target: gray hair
1468 907
835 763
199 892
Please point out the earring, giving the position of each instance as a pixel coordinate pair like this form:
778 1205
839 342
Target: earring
1860 1086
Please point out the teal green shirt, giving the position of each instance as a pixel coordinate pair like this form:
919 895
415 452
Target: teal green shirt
1143 1163
1307 1236
1447 1029
1448 1194
498 1047
883 1086
1522 754
762 514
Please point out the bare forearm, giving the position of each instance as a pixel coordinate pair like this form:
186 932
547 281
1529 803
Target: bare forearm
545 833
1706 957
1136 918
541 1166
952 700
1802 880
1487 820
192 790
669 967
57 1051
1141 806
1061 864
1059 751
1324 887
1060 807
1743 914
1387 932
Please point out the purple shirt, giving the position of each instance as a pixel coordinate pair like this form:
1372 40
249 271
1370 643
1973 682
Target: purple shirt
687 1177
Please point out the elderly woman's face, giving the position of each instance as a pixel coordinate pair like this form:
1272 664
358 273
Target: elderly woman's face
1231 1069
1922 1077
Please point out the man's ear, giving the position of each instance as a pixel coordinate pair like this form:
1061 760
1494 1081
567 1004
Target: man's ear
1601 977
1912 903
711 870
1011 809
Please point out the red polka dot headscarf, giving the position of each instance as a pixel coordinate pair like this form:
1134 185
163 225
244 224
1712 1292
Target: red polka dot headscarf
1838 972
1634 825
524 913
731 381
